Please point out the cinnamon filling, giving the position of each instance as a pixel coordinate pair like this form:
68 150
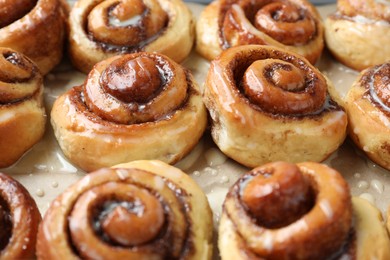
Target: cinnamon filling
377 82
282 21
281 87
5 224
15 68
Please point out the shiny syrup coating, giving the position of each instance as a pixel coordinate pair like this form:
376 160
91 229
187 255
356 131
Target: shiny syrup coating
142 215
285 22
125 25
278 195
376 80
14 67
132 80
13 10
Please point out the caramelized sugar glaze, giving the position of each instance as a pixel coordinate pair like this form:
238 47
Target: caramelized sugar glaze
268 104
367 105
35 28
22 115
140 210
102 29
298 211
136 106
19 219
292 25
317 208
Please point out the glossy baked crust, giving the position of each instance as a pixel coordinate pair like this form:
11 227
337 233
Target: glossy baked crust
138 210
137 106
293 25
358 34
267 104
35 28
19 220
104 28
368 108
22 114
303 211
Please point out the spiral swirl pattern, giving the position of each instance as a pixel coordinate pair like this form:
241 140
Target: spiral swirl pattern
367 104
263 98
292 25
19 220
145 210
21 105
277 210
135 106
104 28
34 28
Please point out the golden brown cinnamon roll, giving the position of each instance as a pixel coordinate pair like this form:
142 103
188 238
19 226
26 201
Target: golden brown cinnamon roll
358 34
35 28
104 28
22 114
136 106
139 210
294 25
368 108
298 211
19 220
268 105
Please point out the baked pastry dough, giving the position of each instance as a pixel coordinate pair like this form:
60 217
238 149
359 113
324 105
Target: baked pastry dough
139 210
267 104
294 25
19 220
299 211
22 114
104 28
136 106
368 108
358 34
34 28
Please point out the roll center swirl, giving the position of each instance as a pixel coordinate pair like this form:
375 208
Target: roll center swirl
380 84
132 80
277 86
285 23
14 67
132 223
277 196
126 22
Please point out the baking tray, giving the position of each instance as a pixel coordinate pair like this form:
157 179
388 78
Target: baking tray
45 172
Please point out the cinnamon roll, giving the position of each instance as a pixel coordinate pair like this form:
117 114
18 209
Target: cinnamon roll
100 29
135 106
293 25
358 34
368 108
267 104
138 210
22 114
298 211
35 28
19 220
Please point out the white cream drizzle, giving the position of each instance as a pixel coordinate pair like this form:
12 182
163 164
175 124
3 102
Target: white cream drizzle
112 20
